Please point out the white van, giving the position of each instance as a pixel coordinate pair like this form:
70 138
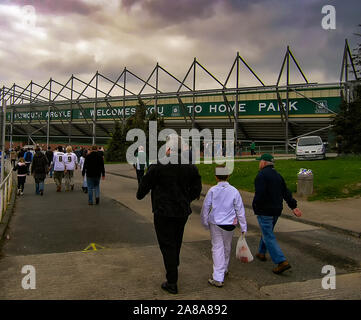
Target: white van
311 147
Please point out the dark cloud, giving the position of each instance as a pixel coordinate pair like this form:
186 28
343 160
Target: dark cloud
127 4
74 63
175 11
113 67
173 32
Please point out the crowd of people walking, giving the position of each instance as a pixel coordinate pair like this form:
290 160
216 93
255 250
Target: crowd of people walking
60 165
173 187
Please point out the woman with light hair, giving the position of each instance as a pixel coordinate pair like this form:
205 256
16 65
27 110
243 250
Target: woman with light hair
71 163
22 173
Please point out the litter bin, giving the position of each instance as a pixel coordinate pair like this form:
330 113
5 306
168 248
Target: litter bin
305 185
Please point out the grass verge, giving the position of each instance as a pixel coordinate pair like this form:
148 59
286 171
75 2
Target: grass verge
334 178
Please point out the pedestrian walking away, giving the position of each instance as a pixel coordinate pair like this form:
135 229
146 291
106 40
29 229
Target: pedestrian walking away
13 156
49 155
173 185
28 157
93 169
270 190
21 153
71 164
22 173
78 153
141 164
58 167
81 164
253 148
222 210
101 151
39 169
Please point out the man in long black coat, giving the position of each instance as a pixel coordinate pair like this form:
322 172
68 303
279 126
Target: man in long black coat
39 169
173 187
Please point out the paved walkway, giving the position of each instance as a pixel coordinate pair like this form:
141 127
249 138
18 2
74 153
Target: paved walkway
51 233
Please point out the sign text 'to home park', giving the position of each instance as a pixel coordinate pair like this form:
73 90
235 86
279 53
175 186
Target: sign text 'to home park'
252 108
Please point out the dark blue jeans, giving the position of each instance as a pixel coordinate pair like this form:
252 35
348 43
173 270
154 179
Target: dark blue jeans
268 239
93 186
39 186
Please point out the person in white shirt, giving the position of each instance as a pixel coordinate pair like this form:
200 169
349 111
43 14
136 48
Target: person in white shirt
222 209
81 164
141 164
71 164
59 167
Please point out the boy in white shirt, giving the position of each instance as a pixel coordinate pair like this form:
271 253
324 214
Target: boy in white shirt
222 209
71 163
59 167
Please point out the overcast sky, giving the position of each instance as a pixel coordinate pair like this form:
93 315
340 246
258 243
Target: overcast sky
40 39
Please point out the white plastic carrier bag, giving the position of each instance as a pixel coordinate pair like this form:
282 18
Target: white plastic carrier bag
242 251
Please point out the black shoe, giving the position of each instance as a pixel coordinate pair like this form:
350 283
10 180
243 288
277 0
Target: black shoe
85 190
90 203
41 192
169 287
97 200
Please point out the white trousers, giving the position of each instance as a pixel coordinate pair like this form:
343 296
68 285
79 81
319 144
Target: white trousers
221 251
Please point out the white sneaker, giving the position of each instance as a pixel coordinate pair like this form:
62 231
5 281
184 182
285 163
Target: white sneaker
19 190
215 283
21 193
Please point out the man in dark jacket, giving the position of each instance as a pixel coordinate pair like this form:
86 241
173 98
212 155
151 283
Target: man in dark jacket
94 169
39 169
21 153
270 190
173 187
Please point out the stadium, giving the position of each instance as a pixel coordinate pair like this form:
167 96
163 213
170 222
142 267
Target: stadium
81 113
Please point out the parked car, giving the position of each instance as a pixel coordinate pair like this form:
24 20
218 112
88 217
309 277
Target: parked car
309 148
